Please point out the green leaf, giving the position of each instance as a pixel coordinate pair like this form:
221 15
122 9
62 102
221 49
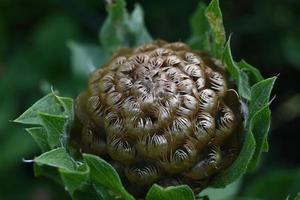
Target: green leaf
265 147
201 33
261 120
105 193
182 192
55 126
253 73
229 62
114 31
214 17
240 78
47 104
103 174
75 179
137 26
58 158
260 94
121 29
39 134
260 125
85 58
243 85
55 114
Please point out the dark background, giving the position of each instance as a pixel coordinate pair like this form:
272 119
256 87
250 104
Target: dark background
34 56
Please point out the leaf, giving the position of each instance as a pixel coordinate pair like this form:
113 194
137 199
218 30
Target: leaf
103 174
182 192
58 158
240 78
85 58
55 126
39 134
137 26
229 62
200 37
259 106
260 125
260 94
114 31
243 85
59 114
105 193
265 145
253 73
121 29
74 179
214 17
47 104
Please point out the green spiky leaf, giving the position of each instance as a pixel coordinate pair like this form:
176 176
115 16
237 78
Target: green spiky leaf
48 104
103 174
55 126
39 134
241 78
58 158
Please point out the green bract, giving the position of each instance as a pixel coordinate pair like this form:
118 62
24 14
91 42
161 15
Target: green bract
93 178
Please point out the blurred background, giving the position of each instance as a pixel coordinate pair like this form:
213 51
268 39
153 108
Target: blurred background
34 56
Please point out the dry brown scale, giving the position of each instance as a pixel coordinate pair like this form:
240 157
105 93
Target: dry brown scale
161 113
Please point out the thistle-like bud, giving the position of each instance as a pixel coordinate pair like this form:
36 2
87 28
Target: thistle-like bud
162 112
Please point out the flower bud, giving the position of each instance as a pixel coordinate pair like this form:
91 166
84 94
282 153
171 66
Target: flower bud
161 112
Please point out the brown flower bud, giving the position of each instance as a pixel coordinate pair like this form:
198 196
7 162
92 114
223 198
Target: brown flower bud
161 112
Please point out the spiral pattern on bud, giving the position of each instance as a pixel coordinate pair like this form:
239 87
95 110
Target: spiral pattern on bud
159 110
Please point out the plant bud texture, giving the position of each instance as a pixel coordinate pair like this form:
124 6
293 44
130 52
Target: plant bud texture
161 113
